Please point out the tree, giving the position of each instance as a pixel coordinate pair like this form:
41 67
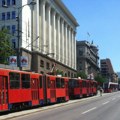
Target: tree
100 79
82 75
6 49
59 72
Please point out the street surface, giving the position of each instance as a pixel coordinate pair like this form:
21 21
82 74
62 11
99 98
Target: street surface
106 107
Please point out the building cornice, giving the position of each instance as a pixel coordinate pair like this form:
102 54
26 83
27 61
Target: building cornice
66 11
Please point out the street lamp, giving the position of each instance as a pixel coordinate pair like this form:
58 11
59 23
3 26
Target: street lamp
18 20
19 10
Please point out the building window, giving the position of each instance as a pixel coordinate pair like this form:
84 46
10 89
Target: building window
13 15
80 52
41 63
8 15
8 2
3 2
13 29
25 78
3 27
68 73
3 16
65 74
72 75
47 66
8 28
13 2
14 43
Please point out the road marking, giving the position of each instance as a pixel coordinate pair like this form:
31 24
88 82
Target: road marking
113 98
89 110
105 102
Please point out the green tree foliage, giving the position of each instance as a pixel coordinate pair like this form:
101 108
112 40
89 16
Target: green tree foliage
100 79
59 72
5 46
82 75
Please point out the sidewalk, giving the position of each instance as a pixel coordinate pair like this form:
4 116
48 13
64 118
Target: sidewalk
26 112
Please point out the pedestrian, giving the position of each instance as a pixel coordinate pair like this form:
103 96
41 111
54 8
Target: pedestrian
101 91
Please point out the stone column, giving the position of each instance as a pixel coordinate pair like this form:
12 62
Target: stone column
54 34
58 38
62 41
75 51
48 28
73 47
43 39
37 28
65 44
69 47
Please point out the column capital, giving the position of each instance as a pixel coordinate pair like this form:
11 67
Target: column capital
62 20
74 32
53 11
43 2
58 16
48 7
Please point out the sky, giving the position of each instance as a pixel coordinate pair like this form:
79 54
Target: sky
101 19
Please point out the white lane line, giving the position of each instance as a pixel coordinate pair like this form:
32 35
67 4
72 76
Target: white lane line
89 110
113 98
105 102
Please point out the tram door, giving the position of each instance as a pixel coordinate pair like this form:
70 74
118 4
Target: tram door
3 93
52 91
35 91
66 91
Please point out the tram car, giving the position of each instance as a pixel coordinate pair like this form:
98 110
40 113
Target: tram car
21 89
110 87
82 88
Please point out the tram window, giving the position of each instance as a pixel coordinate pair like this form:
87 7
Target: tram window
75 83
25 80
6 82
48 82
1 82
58 82
84 84
62 83
71 83
14 80
40 78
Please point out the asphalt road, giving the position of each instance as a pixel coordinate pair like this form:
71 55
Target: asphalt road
106 107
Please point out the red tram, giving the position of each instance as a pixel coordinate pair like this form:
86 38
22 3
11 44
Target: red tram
79 88
20 89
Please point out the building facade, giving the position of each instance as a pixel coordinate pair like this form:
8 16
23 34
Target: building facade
46 31
107 70
87 58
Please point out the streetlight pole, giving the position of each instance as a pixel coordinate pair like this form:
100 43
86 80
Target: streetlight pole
18 26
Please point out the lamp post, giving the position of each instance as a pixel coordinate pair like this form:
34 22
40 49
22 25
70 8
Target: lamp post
19 10
18 20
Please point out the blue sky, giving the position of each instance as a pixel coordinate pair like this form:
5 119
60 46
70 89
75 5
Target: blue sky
101 18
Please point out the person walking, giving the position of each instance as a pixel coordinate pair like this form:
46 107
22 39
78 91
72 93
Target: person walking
101 91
